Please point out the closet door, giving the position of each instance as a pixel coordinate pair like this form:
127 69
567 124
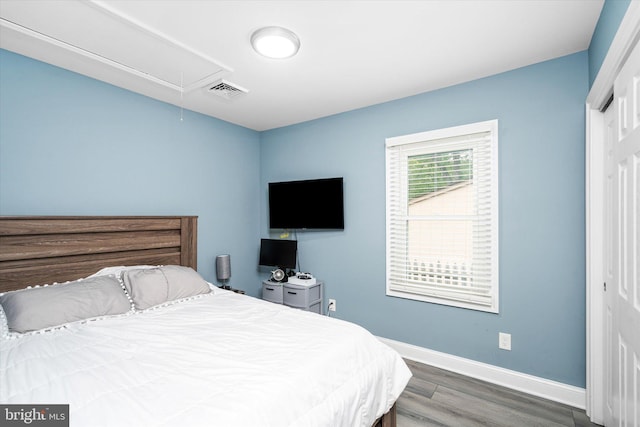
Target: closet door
622 311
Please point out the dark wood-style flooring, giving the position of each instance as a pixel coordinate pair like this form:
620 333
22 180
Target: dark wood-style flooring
436 397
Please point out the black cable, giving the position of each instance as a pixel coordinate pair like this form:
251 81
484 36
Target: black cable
295 237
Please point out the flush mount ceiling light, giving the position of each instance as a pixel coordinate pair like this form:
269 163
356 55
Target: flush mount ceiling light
275 42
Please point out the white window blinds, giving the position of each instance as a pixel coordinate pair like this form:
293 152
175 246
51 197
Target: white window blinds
442 216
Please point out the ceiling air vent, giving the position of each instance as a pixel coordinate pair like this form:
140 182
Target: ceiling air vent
226 89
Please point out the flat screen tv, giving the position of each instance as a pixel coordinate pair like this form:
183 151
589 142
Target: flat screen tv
278 253
308 204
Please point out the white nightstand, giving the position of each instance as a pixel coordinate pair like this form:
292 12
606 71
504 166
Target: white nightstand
304 297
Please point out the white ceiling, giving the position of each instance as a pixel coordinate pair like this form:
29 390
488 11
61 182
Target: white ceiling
352 54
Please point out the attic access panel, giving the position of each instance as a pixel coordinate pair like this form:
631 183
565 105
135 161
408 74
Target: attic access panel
104 34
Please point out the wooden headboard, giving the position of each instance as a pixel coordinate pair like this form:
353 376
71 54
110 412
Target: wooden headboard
35 250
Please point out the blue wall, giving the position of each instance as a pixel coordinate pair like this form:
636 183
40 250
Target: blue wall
612 13
73 145
76 146
540 110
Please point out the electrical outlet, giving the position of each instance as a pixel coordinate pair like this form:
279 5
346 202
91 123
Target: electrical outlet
332 305
504 341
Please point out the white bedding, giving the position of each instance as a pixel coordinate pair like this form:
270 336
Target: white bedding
221 359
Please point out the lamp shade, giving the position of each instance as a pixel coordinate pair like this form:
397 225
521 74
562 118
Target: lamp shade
223 267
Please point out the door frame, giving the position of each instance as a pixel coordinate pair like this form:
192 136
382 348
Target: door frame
627 35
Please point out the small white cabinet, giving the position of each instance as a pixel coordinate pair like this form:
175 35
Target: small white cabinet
304 297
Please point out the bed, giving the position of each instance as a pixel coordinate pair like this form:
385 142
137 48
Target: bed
181 353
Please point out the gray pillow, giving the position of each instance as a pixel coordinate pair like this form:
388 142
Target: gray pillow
49 306
153 286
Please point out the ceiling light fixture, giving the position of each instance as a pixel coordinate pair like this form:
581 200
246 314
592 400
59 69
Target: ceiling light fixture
275 42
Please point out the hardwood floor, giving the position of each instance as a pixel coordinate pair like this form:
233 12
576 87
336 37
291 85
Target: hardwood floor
435 397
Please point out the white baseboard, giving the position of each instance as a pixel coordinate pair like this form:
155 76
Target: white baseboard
541 387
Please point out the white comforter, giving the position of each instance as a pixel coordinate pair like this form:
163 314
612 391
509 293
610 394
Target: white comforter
219 360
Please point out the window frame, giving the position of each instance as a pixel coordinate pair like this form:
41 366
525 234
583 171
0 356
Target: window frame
431 142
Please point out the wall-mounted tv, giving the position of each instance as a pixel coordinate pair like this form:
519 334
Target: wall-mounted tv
308 204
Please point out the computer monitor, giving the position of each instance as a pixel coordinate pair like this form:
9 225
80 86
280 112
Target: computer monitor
278 253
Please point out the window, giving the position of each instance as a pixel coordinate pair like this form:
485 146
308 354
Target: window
442 216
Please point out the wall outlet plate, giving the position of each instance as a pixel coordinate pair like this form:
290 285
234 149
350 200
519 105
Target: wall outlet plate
504 341
332 305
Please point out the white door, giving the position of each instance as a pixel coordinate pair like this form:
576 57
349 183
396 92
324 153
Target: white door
622 251
609 137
